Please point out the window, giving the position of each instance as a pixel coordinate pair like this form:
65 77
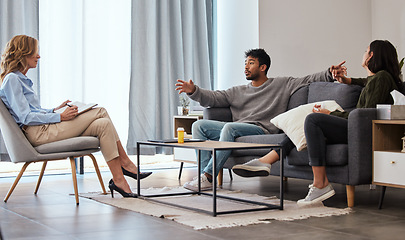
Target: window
85 48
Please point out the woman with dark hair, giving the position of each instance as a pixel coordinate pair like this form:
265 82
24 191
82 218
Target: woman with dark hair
381 62
42 125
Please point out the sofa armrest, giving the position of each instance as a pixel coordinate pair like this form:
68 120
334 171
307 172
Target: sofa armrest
360 145
222 114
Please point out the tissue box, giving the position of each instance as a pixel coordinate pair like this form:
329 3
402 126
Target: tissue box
390 112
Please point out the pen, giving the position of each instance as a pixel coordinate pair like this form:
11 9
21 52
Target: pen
69 105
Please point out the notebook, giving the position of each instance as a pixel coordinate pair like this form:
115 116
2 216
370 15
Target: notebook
82 107
174 140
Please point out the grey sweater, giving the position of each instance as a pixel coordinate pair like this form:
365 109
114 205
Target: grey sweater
257 105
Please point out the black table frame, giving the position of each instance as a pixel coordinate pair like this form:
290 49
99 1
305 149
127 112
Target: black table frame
214 212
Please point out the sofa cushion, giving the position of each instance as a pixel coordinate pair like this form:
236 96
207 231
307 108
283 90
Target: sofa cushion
292 121
264 139
222 114
336 155
298 98
345 95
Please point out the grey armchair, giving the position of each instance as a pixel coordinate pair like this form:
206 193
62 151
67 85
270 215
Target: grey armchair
21 150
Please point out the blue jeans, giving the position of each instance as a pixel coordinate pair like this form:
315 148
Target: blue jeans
220 131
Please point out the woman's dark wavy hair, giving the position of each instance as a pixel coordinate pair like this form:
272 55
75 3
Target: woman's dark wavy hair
261 55
385 57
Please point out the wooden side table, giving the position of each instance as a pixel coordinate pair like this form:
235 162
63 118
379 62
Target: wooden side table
388 160
185 122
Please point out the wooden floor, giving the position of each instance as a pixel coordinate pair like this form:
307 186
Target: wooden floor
53 214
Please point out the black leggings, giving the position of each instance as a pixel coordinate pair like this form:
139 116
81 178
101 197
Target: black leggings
321 129
287 145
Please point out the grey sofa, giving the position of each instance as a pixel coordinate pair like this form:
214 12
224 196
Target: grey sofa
349 164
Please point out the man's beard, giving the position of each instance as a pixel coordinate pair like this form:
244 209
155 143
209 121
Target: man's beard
253 76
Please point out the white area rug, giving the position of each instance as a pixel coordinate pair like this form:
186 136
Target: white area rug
148 162
201 221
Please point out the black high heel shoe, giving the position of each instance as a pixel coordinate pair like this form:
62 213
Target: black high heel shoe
113 187
134 175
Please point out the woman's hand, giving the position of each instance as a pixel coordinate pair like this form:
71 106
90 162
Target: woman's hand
183 86
339 72
318 109
69 113
64 104
343 79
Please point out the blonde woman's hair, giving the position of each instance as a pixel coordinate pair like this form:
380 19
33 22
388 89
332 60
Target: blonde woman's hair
15 53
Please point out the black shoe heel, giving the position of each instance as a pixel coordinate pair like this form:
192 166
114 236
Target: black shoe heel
134 175
113 187
112 191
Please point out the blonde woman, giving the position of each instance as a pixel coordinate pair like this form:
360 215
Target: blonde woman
42 125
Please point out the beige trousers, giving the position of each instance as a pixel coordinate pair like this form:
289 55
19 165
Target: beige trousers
95 122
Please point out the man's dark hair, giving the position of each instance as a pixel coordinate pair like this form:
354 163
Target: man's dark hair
384 57
261 55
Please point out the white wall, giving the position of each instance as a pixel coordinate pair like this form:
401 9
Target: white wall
303 37
388 22
237 31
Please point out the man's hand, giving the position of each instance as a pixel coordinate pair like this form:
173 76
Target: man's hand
186 87
69 113
318 109
339 72
64 104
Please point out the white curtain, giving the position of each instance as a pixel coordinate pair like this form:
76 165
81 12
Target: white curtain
170 40
18 17
85 55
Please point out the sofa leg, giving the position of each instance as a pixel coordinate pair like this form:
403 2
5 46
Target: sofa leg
350 195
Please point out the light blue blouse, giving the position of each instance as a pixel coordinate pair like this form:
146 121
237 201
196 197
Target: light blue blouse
18 95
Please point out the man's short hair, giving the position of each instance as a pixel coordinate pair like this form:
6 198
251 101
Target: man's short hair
261 55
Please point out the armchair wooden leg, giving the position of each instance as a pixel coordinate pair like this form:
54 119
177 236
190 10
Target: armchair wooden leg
17 179
41 174
350 195
73 165
100 179
220 177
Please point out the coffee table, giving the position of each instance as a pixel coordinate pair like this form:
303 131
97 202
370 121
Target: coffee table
213 146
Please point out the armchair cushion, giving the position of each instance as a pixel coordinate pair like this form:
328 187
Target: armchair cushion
69 145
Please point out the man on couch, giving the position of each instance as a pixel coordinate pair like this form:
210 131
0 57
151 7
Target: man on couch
252 107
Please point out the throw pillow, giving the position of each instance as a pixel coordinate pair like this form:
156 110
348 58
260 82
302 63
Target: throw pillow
292 121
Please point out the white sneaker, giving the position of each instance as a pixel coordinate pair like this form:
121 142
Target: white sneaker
193 185
253 168
316 195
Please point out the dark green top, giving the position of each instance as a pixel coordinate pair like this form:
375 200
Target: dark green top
377 89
